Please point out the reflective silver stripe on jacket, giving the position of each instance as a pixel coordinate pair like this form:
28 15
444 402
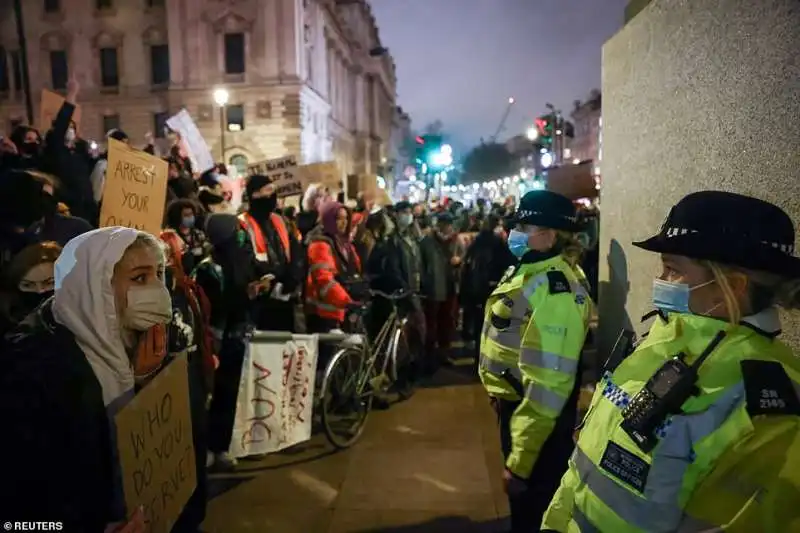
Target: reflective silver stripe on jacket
544 396
320 266
582 522
328 286
658 510
497 367
509 338
323 306
548 360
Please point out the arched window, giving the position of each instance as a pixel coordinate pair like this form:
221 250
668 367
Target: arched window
240 162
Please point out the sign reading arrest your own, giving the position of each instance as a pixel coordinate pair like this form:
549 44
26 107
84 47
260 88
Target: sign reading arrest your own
135 189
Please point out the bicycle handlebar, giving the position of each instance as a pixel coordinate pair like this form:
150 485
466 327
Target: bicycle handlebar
399 295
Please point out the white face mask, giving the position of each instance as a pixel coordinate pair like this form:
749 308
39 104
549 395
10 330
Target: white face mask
148 306
70 136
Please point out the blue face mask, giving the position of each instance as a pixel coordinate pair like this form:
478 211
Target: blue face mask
674 297
404 220
187 222
518 243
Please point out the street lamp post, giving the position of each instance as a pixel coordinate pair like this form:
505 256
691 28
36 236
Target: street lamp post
221 97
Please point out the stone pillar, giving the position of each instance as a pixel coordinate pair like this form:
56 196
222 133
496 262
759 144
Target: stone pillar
697 95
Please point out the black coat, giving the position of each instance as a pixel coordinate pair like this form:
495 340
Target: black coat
56 433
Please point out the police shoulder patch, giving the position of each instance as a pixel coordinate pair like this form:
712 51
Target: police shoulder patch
768 389
558 282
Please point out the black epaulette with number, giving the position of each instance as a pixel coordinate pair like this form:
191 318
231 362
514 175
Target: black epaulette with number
768 389
558 282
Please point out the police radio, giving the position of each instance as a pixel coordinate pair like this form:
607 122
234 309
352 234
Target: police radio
663 395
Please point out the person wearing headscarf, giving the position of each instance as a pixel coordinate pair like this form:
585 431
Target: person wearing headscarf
334 271
69 367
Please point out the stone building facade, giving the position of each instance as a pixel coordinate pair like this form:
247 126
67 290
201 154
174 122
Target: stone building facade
304 77
587 120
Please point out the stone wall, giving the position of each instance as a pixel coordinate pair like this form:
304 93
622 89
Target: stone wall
697 94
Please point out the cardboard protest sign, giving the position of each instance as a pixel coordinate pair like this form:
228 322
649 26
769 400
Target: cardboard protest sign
195 144
282 172
327 174
135 189
156 454
49 107
274 406
368 183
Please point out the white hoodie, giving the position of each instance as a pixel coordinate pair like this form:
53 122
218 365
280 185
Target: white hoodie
84 303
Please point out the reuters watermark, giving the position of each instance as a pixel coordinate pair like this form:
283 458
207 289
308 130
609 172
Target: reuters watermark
33 526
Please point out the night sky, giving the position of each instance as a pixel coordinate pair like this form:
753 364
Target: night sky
459 60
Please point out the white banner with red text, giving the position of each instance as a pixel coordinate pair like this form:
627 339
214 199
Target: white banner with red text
276 395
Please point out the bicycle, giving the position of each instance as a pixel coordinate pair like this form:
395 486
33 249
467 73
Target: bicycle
365 369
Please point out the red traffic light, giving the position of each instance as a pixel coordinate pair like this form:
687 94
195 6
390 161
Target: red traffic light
541 125
420 140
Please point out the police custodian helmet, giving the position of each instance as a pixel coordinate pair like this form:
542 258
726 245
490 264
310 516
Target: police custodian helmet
548 210
731 229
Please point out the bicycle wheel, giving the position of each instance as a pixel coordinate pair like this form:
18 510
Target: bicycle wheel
399 350
346 397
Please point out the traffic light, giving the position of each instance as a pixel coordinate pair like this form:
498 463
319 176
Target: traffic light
545 125
432 153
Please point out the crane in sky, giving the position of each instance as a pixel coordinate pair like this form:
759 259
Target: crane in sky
503 120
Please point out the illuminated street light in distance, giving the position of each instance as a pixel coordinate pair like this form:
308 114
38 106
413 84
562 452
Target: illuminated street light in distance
511 100
547 159
221 97
576 161
532 134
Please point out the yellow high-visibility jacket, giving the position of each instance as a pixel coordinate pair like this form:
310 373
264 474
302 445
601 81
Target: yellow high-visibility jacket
730 461
534 328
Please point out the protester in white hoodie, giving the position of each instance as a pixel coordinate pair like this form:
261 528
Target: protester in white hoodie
67 370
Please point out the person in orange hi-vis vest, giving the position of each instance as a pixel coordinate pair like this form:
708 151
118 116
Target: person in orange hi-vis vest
277 255
334 271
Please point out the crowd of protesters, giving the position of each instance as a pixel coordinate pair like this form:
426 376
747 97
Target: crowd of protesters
88 316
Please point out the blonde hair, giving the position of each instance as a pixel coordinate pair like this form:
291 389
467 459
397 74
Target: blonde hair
145 240
764 289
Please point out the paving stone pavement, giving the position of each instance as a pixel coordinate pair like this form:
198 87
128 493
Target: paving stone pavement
430 464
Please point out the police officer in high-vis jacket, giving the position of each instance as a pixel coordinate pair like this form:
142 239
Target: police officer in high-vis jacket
698 430
534 328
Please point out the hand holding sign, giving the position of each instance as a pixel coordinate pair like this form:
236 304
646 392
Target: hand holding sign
136 524
73 87
156 451
49 107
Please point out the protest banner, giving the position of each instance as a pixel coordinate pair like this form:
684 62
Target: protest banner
276 394
283 173
156 454
327 174
49 106
195 144
135 189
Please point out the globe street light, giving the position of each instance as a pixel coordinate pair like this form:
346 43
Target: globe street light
221 97
532 134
